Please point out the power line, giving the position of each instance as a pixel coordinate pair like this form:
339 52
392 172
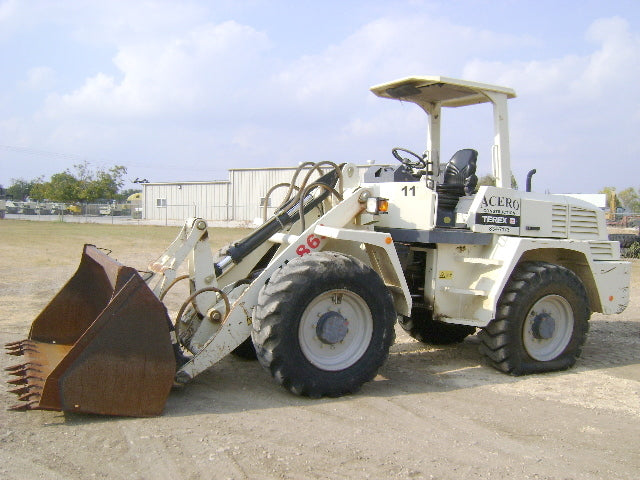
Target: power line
43 153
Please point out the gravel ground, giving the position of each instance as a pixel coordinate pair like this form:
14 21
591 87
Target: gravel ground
432 413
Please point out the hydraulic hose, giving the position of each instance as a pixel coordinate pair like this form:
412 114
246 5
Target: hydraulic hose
287 215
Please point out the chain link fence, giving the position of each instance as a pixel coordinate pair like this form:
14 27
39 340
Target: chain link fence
60 211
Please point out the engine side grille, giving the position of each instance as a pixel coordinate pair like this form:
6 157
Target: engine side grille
559 220
583 223
604 251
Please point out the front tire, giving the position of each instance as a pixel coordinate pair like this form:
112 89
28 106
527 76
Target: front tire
324 324
541 323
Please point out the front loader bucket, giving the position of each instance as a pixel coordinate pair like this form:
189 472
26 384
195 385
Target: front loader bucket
102 345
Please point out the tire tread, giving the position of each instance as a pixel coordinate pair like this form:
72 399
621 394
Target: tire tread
501 341
273 346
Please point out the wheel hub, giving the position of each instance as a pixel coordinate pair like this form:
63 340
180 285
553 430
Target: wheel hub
332 328
548 328
335 329
543 326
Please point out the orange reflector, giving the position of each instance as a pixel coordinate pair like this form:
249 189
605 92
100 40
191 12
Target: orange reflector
377 205
611 298
388 240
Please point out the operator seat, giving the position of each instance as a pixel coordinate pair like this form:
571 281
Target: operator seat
461 170
459 180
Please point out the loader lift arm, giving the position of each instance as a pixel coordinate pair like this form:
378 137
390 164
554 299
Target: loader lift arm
236 327
211 330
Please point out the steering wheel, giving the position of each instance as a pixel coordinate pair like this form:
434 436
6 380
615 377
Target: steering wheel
419 161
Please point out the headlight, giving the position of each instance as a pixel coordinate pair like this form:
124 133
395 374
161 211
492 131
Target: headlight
377 205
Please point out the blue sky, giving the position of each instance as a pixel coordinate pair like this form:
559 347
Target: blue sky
180 91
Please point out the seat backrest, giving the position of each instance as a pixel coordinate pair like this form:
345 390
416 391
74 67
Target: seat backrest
461 170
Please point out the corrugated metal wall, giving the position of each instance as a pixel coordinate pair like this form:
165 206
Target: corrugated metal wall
238 200
249 187
173 201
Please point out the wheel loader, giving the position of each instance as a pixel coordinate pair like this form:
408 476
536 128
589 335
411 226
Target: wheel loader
315 291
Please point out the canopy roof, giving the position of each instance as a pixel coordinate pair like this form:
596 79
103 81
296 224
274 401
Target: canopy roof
448 92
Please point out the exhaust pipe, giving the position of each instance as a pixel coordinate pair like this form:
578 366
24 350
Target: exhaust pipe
529 175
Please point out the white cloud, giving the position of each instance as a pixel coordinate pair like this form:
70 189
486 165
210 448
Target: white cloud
99 22
612 65
577 115
616 63
185 82
203 68
332 86
39 78
390 48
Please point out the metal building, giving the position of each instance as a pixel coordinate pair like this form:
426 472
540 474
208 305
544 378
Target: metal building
238 201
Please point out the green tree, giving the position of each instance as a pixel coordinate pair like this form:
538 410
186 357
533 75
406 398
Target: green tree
106 183
80 185
490 181
630 199
613 202
99 185
487 181
63 187
83 184
38 192
20 188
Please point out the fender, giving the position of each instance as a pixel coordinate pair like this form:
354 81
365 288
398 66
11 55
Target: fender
606 281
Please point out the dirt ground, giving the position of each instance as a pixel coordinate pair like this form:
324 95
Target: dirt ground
432 413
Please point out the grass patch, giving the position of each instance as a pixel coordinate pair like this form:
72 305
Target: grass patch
46 232
39 244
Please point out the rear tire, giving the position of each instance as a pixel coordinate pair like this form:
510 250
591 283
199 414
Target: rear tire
424 328
324 324
541 323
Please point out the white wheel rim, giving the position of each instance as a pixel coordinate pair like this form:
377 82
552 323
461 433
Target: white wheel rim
548 328
352 345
